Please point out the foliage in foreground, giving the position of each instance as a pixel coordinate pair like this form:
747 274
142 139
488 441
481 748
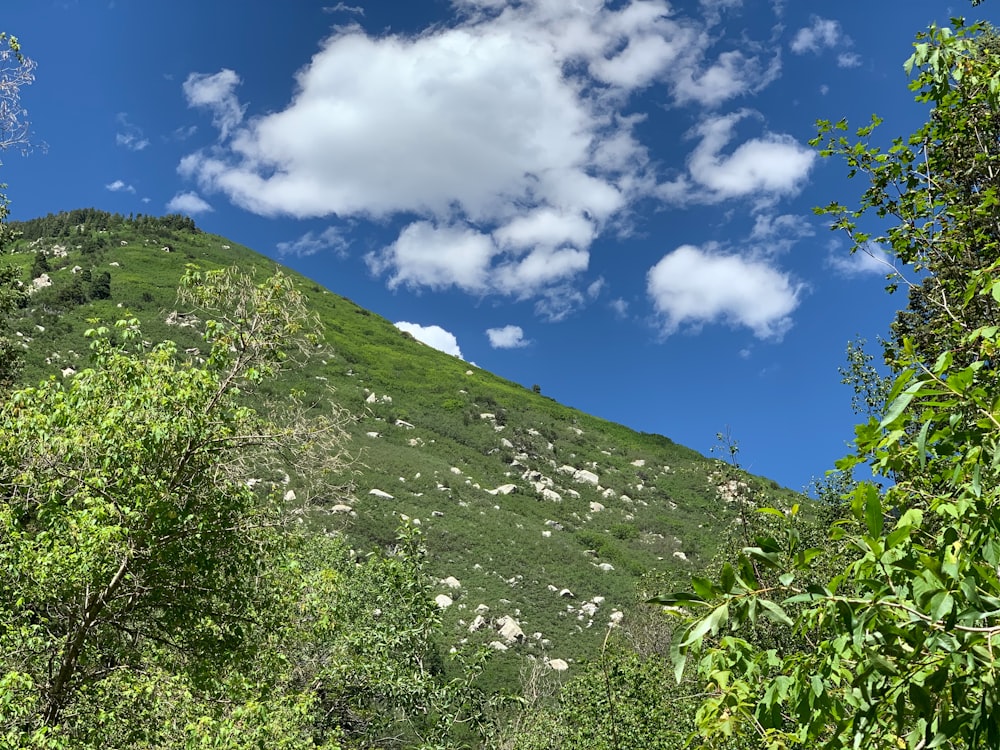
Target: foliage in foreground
898 649
153 593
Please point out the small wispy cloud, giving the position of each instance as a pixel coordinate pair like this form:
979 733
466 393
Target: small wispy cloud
344 8
119 186
129 135
217 93
868 260
311 243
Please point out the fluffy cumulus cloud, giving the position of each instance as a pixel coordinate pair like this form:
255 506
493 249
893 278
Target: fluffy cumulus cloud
693 286
506 138
507 337
188 203
765 168
434 336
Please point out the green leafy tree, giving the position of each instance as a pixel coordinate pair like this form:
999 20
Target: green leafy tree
903 637
16 71
132 546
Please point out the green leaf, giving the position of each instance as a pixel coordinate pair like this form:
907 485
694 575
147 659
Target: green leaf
776 613
899 404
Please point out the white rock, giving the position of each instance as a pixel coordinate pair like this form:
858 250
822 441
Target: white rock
482 609
566 593
290 496
451 582
509 629
640 462
680 555
372 398
504 489
596 507
477 624
557 665
380 493
546 533
587 477
455 470
606 567
443 601
341 508
372 434
497 646
552 495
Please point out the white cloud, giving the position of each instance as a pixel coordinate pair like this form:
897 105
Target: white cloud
733 74
188 203
119 186
691 287
434 336
508 337
438 257
344 8
848 60
216 92
773 234
865 261
619 306
766 168
823 33
129 136
506 139
311 243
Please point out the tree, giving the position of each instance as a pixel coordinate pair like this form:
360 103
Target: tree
134 551
902 639
16 71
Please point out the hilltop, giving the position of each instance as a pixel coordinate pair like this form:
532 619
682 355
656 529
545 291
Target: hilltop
540 520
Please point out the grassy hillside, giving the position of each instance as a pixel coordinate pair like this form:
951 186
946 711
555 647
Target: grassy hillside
519 498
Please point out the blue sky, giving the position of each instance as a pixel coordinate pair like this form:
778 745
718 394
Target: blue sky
611 200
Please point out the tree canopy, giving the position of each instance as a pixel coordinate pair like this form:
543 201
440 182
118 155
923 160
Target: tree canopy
897 648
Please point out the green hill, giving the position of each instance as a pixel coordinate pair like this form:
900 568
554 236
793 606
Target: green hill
530 509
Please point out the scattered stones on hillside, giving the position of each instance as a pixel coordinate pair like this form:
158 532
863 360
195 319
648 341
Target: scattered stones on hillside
498 646
586 477
503 489
451 582
290 496
510 630
596 507
405 425
551 495
41 282
341 508
565 593
606 567
181 320
373 434
381 493
680 555
557 665
477 624
639 462
443 601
